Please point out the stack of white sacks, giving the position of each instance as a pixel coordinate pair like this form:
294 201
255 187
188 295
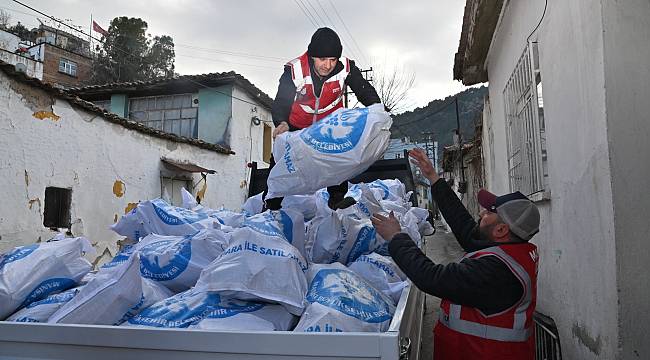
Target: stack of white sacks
302 268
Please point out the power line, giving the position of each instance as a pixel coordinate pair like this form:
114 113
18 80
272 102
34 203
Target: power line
16 11
306 14
273 59
345 44
325 12
130 54
225 61
232 53
443 107
316 12
313 20
348 31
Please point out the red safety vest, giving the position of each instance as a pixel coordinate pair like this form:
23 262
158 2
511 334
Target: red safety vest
464 332
307 108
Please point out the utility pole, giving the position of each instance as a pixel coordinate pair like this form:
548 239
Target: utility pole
462 185
365 76
428 143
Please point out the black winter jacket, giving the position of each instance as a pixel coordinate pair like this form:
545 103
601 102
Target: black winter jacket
485 283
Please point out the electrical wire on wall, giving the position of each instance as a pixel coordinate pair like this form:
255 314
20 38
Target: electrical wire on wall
539 23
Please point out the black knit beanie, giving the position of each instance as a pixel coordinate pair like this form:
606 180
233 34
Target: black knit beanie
325 43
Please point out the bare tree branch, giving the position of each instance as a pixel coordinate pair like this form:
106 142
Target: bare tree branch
393 85
5 18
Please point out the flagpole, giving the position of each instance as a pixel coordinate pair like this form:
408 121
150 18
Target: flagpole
90 34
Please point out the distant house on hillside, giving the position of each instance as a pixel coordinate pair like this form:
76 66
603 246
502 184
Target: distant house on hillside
56 57
66 58
13 51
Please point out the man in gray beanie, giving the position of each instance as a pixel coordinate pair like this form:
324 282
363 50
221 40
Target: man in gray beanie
312 86
489 295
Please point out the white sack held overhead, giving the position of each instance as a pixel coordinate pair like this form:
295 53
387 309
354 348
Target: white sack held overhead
259 265
106 298
40 311
158 217
177 261
178 311
332 150
31 273
382 273
238 315
341 301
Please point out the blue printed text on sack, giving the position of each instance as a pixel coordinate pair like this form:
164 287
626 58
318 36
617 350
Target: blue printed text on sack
385 268
287 158
253 247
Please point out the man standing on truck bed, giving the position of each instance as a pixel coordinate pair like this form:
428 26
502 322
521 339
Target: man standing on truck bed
312 86
489 296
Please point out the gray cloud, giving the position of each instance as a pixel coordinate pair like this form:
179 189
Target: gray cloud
420 36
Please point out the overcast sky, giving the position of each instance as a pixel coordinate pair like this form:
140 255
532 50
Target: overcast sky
418 36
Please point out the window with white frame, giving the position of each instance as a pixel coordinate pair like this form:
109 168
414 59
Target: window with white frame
174 114
524 109
68 67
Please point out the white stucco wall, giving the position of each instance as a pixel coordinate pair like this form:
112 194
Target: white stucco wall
626 33
247 138
578 269
82 151
8 41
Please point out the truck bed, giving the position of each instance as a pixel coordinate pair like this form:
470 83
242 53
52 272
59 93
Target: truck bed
382 169
97 342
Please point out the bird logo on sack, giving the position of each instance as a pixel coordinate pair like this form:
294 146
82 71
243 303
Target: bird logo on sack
272 223
17 254
47 287
337 133
378 184
232 308
344 291
172 215
178 311
362 245
165 260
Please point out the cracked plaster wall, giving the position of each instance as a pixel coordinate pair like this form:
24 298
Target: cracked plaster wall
47 142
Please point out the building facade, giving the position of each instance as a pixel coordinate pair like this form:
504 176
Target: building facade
66 58
13 52
68 166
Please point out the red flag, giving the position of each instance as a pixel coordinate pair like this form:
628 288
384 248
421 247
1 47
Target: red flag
99 29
